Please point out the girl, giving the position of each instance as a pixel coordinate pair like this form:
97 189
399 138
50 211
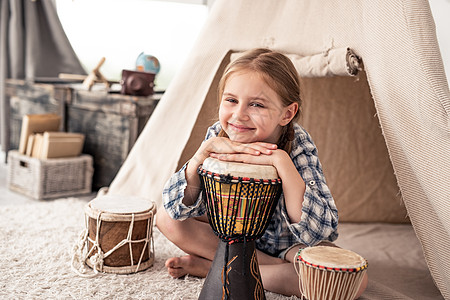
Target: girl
259 96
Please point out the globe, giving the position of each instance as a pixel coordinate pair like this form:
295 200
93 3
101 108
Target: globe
147 63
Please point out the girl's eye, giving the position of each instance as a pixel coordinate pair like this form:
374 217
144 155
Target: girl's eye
256 104
231 100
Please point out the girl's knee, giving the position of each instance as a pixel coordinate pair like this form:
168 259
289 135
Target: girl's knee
165 223
173 230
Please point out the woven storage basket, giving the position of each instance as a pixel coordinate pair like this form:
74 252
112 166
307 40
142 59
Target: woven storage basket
49 178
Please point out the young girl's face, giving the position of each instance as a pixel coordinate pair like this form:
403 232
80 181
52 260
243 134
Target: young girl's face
250 111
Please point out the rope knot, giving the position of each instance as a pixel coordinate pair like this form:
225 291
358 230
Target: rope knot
97 260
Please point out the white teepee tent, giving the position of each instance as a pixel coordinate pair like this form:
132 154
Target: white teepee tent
402 82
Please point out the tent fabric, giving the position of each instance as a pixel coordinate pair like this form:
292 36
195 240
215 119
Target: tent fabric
340 115
405 78
33 44
332 62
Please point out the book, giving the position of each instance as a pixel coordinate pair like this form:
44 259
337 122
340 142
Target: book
30 144
37 145
37 123
60 144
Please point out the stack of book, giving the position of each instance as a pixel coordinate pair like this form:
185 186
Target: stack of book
40 138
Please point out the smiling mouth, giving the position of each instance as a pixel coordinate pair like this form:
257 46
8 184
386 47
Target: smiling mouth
240 128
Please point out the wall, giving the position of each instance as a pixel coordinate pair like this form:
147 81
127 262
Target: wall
120 30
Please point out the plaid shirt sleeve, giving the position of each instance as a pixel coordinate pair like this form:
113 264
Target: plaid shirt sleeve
319 219
173 192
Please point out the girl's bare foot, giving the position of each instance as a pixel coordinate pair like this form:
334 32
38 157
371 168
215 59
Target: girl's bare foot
188 264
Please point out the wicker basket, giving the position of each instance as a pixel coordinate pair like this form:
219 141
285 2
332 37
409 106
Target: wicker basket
49 178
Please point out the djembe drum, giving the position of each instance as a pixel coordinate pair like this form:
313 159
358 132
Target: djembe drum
119 235
240 201
329 273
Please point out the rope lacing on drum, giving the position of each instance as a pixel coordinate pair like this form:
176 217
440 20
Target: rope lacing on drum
79 257
344 280
97 260
226 230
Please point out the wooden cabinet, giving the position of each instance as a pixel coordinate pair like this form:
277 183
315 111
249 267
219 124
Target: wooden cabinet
111 122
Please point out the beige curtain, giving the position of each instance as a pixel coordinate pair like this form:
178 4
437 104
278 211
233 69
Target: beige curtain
33 44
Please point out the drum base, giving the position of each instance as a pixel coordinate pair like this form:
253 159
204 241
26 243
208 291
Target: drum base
126 269
234 273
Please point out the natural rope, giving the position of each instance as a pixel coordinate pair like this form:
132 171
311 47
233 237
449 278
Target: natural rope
80 255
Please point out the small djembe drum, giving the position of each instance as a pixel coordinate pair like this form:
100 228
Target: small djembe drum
240 201
119 235
329 273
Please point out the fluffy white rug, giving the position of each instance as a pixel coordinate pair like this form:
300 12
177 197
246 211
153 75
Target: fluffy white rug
36 250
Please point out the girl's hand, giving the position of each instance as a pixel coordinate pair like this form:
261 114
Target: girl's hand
270 157
222 145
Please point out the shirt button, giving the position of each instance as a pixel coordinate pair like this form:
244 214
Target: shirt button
311 182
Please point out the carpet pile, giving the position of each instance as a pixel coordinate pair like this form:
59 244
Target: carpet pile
36 251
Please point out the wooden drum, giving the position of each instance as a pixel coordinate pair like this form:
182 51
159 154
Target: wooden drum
240 200
119 234
329 273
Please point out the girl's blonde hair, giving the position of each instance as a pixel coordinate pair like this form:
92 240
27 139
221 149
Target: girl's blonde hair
279 73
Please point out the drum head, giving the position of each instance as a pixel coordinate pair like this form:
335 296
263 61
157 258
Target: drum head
332 257
239 169
121 205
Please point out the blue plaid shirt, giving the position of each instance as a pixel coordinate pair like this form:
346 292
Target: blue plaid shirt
319 218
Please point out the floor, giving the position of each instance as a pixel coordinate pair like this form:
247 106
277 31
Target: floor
8 197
